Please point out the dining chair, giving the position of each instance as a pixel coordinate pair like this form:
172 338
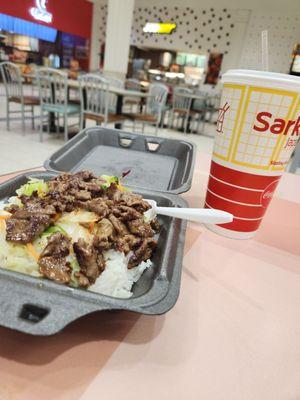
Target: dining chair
156 101
132 84
53 89
12 79
213 105
113 98
198 112
181 106
95 100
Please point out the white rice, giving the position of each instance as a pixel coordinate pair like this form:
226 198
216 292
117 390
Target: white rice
117 280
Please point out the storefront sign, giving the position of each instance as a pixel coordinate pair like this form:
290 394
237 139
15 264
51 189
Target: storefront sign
40 12
156 27
70 16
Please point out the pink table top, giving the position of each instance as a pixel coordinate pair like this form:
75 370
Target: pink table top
233 334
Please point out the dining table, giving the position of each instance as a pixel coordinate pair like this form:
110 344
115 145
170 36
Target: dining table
208 100
233 333
121 93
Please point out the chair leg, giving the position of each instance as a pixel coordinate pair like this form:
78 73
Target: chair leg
162 122
171 119
198 124
66 127
186 122
23 119
7 116
57 124
81 122
32 117
48 123
41 126
162 118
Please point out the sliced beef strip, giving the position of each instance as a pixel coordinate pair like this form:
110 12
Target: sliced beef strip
143 253
24 227
113 193
104 235
58 246
86 176
140 228
104 229
127 198
91 262
126 243
12 208
73 184
93 187
35 204
102 244
82 280
125 213
135 200
119 226
98 206
52 262
155 225
56 269
83 195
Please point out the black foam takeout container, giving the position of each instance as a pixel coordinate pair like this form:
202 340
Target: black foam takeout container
41 307
156 163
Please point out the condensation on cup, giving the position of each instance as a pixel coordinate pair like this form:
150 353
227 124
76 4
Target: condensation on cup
257 130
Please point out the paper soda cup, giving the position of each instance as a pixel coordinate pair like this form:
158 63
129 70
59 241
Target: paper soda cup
257 130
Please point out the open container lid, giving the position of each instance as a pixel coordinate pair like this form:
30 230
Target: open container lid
155 163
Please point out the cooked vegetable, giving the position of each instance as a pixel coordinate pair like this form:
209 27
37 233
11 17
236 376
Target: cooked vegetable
75 269
53 229
109 180
33 185
114 179
32 251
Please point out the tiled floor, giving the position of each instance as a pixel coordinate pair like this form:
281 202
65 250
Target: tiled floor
18 151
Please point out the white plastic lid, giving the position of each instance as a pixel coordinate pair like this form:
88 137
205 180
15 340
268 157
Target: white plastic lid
262 78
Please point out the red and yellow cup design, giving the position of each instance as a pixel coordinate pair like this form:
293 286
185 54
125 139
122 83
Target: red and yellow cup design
257 130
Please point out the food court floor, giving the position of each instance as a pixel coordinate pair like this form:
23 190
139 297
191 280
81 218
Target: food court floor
19 151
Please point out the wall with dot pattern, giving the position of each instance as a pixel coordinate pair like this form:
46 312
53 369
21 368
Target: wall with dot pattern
283 33
214 29
102 21
198 30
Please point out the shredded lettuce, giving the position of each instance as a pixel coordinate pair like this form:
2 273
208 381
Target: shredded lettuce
75 268
113 179
33 185
54 229
79 216
109 180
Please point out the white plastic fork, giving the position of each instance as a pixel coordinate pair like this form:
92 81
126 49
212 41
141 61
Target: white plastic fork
200 215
